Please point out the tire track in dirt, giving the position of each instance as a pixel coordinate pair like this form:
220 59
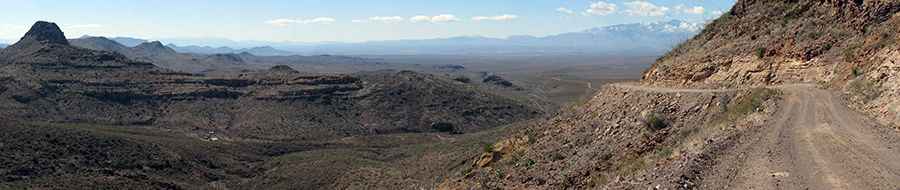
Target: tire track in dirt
814 142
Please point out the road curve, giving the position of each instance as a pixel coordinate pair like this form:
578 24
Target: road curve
813 142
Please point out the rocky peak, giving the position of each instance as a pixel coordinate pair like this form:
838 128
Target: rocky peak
47 32
154 48
151 45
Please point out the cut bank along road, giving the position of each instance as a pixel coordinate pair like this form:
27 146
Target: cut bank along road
813 142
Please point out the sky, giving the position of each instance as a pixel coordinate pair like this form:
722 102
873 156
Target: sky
342 20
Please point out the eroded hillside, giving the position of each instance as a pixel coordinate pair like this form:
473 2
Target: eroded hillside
849 45
75 118
697 120
47 80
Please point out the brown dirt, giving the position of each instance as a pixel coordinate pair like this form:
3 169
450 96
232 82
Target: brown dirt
815 142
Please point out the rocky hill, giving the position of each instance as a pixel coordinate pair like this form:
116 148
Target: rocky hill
75 118
849 45
46 79
660 136
167 57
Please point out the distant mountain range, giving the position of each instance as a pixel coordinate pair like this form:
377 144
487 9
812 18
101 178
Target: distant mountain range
638 39
3 45
206 50
165 56
260 51
642 38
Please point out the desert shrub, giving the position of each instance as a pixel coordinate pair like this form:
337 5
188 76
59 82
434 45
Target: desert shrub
849 53
864 89
463 79
760 52
444 127
752 102
856 72
488 148
656 121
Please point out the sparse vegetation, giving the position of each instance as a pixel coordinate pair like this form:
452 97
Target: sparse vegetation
487 148
463 79
752 102
849 52
656 121
760 53
864 89
856 72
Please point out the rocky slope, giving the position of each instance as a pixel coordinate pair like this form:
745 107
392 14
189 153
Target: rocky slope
75 118
624 138
661 136
849 45
45 79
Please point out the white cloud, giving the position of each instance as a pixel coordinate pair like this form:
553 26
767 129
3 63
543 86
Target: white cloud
434 19
444 18
565 11
319 20
420 18
601 8
644 8
698 10
282 22
386 19
506 17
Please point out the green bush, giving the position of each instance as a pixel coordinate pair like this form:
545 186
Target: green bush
856 72
656 122
488 148
865 89
760 52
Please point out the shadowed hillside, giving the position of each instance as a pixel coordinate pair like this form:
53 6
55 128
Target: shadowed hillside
87 119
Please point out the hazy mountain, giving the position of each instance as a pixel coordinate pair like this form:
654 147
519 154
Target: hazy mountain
261 51
3 45
100 43
164 56
124 41
130 42
638 38
641 38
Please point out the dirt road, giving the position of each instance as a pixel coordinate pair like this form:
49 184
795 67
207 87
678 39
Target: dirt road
813 142
587 84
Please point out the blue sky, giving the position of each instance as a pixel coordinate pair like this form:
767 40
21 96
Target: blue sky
342 20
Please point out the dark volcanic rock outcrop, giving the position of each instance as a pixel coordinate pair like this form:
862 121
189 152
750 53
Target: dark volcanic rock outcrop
55 82
46 32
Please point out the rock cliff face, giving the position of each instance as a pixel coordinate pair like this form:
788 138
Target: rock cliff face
44 79
769 42
839 43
